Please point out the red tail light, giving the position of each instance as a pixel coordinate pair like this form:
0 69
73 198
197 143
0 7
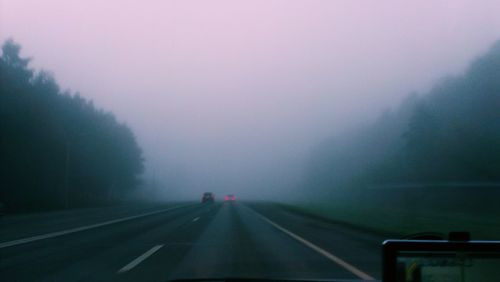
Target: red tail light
227 198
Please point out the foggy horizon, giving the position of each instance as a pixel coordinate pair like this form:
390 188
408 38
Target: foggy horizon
232 97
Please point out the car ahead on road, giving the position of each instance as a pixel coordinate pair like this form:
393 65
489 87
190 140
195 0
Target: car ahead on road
230 198
208 197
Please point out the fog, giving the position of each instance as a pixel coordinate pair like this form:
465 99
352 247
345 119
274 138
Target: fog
232 96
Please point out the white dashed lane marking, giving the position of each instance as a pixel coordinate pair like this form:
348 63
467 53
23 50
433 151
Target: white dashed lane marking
139 259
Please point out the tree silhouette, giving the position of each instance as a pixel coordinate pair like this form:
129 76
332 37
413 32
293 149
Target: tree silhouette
56 148
450 134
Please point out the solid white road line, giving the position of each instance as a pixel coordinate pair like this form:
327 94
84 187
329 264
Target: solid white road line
78 229
140 259
326 254
196 219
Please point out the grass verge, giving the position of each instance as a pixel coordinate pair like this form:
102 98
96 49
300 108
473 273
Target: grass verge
396 221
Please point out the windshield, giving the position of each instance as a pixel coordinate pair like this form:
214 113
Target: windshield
281 139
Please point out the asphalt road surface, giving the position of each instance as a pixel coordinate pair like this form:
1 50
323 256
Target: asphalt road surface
183 240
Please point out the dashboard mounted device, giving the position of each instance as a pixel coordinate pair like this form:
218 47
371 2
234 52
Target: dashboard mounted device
441 261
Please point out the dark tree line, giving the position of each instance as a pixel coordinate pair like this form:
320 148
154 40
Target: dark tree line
56 148
449 135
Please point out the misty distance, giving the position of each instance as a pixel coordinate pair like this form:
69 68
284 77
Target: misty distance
79 155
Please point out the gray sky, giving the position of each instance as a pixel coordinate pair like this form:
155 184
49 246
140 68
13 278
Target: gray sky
230 95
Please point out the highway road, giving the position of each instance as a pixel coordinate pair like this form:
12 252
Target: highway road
183 240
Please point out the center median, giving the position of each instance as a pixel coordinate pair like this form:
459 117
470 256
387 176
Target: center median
34 238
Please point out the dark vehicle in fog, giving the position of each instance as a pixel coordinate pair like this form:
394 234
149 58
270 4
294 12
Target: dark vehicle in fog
208 197
230 198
